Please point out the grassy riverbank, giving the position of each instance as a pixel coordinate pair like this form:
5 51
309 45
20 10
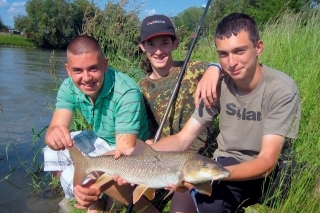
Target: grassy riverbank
14 40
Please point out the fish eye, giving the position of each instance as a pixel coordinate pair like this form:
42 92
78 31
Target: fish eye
204 164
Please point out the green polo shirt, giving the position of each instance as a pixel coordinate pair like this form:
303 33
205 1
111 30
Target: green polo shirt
119 108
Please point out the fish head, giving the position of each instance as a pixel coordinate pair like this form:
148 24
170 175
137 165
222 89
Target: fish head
198 169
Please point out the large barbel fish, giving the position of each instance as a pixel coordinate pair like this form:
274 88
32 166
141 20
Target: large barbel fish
150 169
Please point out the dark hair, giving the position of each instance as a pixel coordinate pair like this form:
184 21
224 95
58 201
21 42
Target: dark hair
145 64
83 44
234 23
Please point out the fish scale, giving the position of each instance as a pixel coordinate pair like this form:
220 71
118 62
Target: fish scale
147 170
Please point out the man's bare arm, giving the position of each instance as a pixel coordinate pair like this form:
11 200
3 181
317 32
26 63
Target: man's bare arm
263 164
125 141
182 140
207 87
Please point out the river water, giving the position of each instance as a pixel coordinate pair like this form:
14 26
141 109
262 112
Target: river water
27 95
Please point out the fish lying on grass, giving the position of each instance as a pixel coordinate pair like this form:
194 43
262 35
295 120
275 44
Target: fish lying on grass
149 169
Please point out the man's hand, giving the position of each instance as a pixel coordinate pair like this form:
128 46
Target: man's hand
58 138
86 194
117 154
207 87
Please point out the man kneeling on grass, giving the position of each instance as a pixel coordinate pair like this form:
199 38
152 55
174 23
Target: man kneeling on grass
106 98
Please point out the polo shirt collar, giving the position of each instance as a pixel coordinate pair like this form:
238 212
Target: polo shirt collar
107 84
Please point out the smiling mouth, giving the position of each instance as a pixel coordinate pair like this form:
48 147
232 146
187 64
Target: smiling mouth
89 85
236 71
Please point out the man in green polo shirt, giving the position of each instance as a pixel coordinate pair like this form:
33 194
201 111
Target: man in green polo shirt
110 102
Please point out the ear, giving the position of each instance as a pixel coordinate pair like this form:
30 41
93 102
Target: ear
142 46
106 64
259 47
67 69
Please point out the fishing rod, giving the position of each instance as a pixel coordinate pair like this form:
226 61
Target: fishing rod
181 74
177 86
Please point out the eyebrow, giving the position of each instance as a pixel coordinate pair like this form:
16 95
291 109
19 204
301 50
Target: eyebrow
244 47
90 67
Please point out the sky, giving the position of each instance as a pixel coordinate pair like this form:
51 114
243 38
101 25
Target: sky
12 8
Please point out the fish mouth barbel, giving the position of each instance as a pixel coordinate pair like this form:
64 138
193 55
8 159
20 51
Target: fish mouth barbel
150 169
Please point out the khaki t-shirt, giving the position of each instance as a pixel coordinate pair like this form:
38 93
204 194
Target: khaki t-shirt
272 108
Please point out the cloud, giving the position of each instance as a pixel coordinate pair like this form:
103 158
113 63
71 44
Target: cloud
16 8
3 3
150 12
18 4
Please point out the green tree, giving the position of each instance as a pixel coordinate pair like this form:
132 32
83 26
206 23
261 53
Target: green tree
53 23
186 22
21 22
263 11
2 25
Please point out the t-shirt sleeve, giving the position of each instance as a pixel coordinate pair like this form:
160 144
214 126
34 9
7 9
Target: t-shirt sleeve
205 116
65 97
129 112
284 115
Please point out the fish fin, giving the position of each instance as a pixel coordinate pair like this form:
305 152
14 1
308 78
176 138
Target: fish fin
204 188
79 166
142 148
172 190
150 193
138 192
103 179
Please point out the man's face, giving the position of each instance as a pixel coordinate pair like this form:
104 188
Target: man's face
159 51
87 72
238 56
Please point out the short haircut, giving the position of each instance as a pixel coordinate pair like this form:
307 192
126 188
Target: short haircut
234 23
84 44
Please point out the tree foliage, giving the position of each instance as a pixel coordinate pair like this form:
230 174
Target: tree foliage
2 25
187 20
117 30
21 22
52 23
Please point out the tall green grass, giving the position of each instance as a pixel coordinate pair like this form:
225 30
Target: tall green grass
15 40
292 45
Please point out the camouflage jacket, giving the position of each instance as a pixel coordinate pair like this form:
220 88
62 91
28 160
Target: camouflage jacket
157 93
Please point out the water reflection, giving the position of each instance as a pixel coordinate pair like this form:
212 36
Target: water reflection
27 95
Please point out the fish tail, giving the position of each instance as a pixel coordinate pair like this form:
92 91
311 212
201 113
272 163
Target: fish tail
79 162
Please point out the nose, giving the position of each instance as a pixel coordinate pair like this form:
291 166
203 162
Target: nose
86 76
158 50
233 60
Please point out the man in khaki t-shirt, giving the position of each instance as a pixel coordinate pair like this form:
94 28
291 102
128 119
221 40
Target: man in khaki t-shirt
259 111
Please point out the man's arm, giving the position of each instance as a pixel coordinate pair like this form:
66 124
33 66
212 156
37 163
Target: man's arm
125 141
182 140
263 164
207 86
58 135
